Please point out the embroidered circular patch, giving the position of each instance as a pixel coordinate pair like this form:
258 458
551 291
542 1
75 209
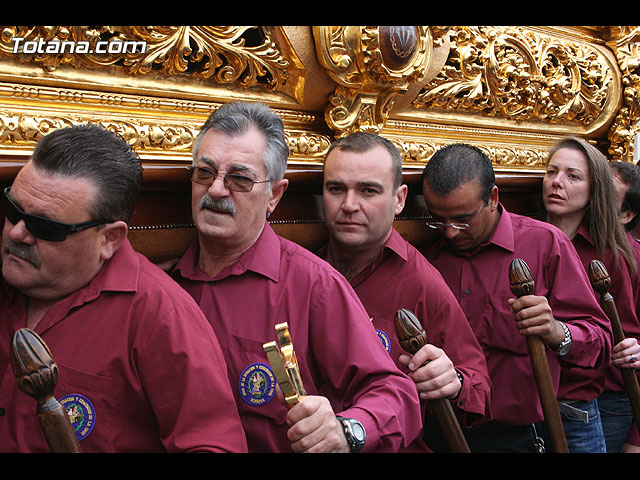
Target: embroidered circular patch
386 341
257 384
81 413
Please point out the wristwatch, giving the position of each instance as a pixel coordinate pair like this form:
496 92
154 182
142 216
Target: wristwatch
565 345
461 380
354 432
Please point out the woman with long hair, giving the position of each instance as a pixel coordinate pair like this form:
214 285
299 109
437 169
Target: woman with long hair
580 198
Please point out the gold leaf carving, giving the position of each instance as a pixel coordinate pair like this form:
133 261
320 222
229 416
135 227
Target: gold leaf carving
27 129
520 75
18 129
509 158
238 55
371 66
626 126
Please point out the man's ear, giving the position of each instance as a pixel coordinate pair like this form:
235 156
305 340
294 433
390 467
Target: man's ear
493 198
113 236
401 198
277 190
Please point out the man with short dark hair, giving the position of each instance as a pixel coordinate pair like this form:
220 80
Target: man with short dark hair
620 431
626 177
362 194
140 369
479 240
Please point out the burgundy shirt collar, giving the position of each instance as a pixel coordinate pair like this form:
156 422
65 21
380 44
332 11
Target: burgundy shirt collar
263 257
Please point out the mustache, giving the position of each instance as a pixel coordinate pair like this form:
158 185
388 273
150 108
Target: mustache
22 250
223 205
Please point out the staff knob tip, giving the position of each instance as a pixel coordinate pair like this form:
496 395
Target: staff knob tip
520 279
409 331
599 277
35 372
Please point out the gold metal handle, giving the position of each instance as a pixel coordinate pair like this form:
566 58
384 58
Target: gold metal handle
284 364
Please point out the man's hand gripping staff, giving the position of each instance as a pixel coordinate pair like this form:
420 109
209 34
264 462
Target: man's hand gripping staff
601 282
313 425
522 283
412 338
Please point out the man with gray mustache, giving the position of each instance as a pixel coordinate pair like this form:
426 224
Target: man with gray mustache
247 280
23 251
222 205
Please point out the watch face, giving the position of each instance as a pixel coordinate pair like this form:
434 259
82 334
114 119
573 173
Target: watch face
358 431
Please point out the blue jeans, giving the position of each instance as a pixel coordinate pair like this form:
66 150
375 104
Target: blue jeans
583 436
617 418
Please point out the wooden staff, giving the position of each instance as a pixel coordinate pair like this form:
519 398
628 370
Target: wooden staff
36 374
601 282
412 338
522 284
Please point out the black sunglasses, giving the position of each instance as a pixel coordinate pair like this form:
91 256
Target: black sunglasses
44 228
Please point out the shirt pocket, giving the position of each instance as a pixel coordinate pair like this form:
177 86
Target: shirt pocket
251 376
91 403
497 327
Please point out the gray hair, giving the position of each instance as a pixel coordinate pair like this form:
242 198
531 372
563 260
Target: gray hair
236 118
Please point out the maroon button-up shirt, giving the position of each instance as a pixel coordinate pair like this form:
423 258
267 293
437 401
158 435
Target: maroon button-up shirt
140 367
402 278
581 384
338 351
613 379
480 281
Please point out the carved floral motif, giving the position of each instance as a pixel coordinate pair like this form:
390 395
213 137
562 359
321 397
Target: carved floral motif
520 75
240 56
626 46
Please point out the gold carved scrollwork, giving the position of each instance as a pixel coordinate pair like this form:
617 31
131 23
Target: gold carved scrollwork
626 46
239 55
503 157
24 129
520 75
175 138
371 66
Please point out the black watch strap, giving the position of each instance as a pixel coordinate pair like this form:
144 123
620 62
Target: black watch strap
354 433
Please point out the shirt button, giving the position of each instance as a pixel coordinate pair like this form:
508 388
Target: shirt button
2 411
467 291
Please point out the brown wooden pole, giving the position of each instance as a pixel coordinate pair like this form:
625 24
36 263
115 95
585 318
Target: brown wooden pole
36 374
601 282
522 284
412 337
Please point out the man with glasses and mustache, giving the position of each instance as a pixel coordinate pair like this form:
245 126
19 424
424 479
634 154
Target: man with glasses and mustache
247 280
362 194
139 365
479 239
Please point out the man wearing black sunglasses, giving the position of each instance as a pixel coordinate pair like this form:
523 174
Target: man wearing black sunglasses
247 280
139 365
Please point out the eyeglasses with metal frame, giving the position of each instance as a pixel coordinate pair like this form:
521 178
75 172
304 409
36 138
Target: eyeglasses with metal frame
429 222
232 181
